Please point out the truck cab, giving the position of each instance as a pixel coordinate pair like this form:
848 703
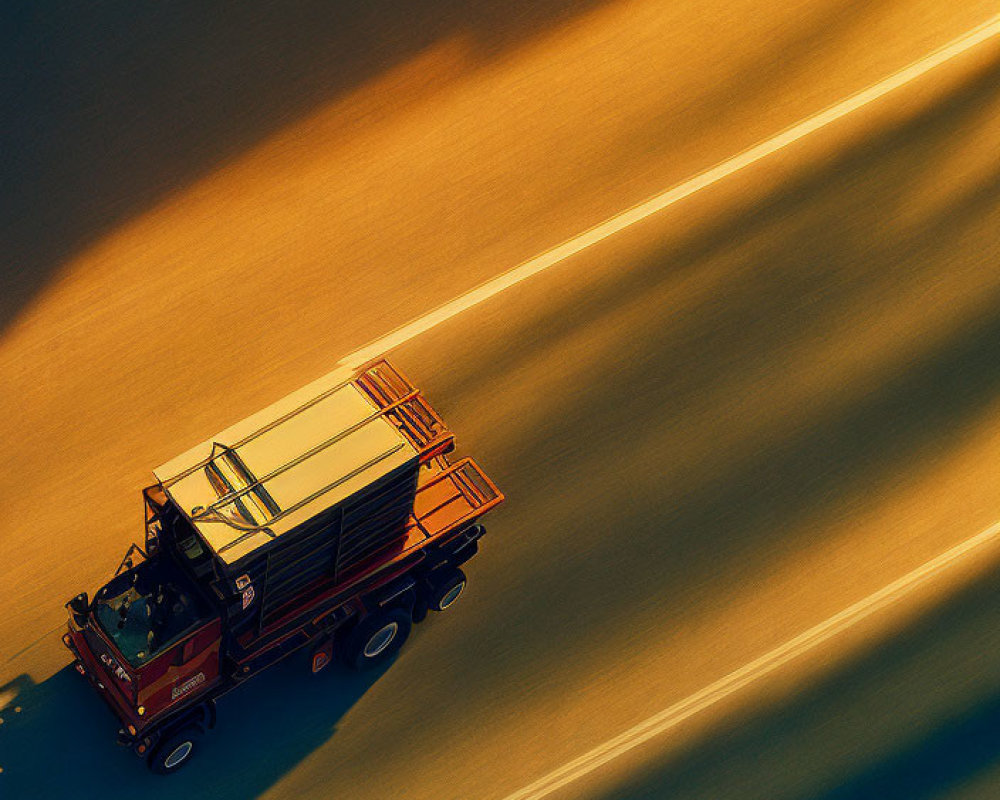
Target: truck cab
150 639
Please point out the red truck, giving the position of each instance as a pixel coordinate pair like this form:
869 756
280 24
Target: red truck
333 519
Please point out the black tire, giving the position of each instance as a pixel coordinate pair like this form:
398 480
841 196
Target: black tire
376 639
175 750
446 590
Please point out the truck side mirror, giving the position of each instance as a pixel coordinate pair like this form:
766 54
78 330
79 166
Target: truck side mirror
80 606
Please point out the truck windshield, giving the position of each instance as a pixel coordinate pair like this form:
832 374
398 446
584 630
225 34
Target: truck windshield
145 609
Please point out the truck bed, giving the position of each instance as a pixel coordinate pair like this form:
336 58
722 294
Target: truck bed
448 499
457 494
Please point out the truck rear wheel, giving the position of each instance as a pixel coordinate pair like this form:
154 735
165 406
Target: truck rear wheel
445 592
376 639
174 751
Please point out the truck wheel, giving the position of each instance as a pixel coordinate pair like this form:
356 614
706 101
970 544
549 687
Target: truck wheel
376 638
445 593
174 751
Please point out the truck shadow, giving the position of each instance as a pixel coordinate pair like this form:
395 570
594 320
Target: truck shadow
61 742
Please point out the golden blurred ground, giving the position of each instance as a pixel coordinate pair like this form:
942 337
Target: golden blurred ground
715 430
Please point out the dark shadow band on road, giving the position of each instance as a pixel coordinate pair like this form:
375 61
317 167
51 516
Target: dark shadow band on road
908 154
608 553
824 737
110 106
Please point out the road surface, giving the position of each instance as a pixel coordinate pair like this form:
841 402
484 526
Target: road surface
716 429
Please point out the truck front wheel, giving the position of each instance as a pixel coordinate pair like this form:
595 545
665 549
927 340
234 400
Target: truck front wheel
376 639
174 751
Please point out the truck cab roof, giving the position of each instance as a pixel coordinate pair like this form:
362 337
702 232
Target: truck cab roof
260 478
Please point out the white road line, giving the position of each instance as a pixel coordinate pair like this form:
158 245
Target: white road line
665 199
749 673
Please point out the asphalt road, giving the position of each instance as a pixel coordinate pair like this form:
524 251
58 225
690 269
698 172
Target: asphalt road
715 429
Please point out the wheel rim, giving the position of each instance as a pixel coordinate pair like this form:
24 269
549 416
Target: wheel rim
452 595
381 640
181 752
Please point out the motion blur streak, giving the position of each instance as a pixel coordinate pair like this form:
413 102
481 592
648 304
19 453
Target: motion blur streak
756 669
657 203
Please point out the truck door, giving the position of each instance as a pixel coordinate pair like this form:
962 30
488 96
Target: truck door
183 671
